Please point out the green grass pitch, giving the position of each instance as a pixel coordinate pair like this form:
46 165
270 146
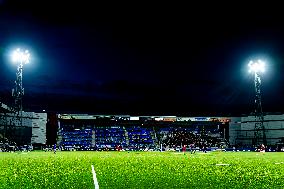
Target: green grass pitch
142 170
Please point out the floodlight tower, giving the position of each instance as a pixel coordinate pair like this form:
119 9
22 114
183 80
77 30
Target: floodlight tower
20 57
257 67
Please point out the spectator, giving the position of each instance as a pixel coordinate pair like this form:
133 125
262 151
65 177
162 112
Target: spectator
184 149
192 148
54 148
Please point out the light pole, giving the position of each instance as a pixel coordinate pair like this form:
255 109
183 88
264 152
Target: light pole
258 67
20 57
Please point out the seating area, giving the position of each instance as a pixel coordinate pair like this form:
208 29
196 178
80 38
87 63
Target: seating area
110 137
174 137
76 138
138 136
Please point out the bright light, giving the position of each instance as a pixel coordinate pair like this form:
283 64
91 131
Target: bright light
20 56
256 67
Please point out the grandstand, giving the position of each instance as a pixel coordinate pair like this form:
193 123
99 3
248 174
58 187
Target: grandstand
98 132
107 132
101 132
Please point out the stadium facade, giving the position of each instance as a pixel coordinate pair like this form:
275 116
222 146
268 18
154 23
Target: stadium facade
235 131
110 130
131 131
29 128
242 129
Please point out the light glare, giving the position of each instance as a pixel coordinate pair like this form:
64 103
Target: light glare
256 67
20 56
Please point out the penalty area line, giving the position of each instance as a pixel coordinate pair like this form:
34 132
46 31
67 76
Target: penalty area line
95 178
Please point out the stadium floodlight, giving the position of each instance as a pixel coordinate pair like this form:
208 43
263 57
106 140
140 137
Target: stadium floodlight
256 67
21 56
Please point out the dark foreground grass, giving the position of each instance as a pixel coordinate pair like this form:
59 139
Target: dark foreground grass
142 170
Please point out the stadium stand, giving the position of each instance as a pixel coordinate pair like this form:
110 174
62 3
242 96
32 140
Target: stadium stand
110 137
199 134
107 133
76 139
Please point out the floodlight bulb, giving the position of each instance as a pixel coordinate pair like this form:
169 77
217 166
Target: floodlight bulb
21 56
16 56
258 66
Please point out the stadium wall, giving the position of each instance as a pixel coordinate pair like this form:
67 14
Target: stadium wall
234 126
274 130
39 122
32 130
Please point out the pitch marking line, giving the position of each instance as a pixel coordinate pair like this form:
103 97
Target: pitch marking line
222 164
95 178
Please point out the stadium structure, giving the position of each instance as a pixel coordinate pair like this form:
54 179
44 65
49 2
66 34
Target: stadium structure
85 132
139 132
244 133
27 128
110 130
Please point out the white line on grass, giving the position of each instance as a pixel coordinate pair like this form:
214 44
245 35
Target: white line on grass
224 164
95 178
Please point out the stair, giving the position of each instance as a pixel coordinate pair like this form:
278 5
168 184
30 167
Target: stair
126 136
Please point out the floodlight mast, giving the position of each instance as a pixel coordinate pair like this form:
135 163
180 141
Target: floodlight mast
20 57
259 130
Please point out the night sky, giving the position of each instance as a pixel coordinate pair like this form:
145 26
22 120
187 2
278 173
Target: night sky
142 59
